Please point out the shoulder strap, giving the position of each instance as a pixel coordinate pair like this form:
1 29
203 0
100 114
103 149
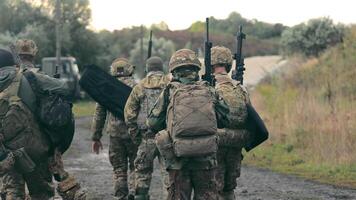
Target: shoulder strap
31 78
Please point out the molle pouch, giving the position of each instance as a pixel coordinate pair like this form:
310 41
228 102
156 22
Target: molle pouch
195 147
164 145
23 162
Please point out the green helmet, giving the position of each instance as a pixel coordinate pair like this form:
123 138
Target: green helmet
221 56
26 47
121 67
154 63
184 57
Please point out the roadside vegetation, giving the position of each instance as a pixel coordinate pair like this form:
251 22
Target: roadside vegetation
310 110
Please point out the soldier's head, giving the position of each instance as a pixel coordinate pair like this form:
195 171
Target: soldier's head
27 49
121 67
184 63
6 58
154 63
221 59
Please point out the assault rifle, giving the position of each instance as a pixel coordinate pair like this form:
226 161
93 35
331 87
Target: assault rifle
238 72
207 57
255 124
149 46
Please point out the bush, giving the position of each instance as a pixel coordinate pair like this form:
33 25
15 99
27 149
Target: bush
311 38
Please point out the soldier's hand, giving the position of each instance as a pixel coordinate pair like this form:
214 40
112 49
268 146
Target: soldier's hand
96 146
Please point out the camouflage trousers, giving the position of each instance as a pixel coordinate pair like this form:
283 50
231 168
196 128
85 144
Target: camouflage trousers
183 182
122 153
39 184
229 167
147 152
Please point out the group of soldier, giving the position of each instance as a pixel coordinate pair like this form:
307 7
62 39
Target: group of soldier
196 130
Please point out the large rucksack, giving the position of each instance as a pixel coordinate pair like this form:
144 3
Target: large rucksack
54 113
19 127
191 120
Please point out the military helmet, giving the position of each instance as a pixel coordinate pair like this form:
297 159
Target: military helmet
121 67
154 63
184 57
26 47
221 55
6 58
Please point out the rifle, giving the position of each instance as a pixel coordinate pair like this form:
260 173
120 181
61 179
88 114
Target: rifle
238 73
149 46
207 58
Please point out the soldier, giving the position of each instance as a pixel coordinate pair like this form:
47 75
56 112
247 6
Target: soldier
232 139
191 111
138 105
21 136
122 151
68 186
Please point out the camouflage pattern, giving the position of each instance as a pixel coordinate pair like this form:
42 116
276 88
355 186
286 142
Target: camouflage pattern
183 182
121 67
184 57
221 55
187 174
122 151
154 63
26 47
138 105
230 157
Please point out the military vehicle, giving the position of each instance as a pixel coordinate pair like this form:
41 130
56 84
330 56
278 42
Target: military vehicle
67 71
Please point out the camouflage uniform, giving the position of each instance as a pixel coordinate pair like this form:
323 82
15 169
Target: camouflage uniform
39 181
138 105
229 157
186 174
122 151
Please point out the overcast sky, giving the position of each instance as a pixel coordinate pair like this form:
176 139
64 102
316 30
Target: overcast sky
179 14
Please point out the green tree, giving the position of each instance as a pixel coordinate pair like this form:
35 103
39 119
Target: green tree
311 38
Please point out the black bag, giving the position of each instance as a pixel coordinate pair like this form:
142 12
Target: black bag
54 114
257 127
105 89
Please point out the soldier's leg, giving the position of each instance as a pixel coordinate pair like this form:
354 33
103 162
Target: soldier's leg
233 167
164 175
180 185
221 171
14 185
132 152
118 159
204 184
39 182
68 186
144 168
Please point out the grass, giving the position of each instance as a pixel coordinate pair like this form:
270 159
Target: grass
83 108
310 110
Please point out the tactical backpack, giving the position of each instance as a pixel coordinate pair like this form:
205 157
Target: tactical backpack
18 125
147 103
191 120
54 114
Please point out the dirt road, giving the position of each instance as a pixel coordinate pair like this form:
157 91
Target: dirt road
95 173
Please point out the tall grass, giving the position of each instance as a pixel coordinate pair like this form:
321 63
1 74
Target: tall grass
311 107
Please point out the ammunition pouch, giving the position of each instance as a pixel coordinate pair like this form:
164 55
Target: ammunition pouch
237 138
165 146
193 147
24 164
7 163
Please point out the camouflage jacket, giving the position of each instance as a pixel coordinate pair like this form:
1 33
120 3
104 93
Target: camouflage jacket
236 97
157 121
142 99
115 127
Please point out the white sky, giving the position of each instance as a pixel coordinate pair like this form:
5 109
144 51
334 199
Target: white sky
179 14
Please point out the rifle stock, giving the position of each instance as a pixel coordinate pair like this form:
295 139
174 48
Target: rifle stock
238 73
149 52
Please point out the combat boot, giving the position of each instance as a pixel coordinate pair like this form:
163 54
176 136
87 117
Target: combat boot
227 195
69 189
